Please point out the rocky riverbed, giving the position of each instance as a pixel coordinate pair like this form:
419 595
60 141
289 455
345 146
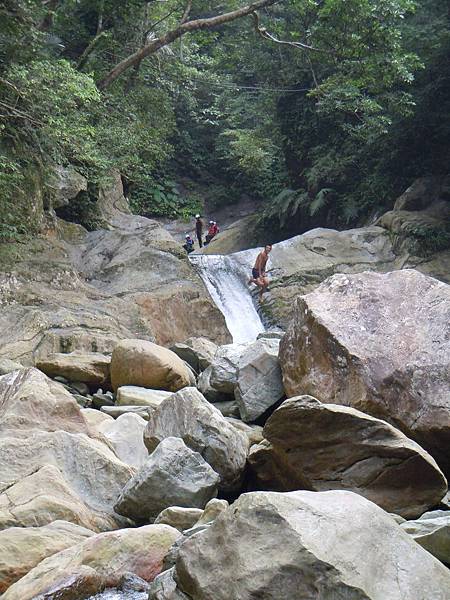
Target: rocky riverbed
307 463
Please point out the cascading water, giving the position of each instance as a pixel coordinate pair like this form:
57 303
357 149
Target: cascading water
226 281
112 594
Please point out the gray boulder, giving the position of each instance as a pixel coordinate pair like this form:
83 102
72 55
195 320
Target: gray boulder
189 416
322 447
174 475
220 379
259 384
378 343
126 435
197 352
329 545
432 532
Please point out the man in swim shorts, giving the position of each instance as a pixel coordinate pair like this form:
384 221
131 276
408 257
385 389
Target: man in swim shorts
259 277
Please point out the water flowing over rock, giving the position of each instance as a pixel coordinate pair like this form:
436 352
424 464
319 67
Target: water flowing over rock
22 548
227 282
174 475
99 562
142 363
322 447
259 385
333 545
378 343
189 416
45 496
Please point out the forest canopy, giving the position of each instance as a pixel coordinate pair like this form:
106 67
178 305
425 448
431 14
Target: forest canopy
322 110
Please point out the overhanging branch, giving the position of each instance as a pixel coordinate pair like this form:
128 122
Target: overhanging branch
172 35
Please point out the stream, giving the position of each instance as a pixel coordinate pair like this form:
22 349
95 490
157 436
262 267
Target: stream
226 280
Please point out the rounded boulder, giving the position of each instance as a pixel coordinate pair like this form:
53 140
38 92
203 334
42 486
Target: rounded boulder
145 364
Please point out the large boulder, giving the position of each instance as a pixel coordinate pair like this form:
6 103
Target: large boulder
197 352
126 435
322 447
89 367
89 467
219 380
378 343
45 496
259 384
202 427
66 183
144 364
30 400
174 475
333 545
97 563
133 395
22 548
432 532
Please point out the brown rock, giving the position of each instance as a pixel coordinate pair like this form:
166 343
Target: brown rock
144 364
30 400
90 367
99 562
323 447
22 548
45 496
378 343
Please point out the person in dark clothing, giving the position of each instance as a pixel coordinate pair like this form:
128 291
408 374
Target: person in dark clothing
189 244
199 230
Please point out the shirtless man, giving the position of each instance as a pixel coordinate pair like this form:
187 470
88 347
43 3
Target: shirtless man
259 277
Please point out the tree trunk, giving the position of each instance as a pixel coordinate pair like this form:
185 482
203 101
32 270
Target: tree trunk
176 33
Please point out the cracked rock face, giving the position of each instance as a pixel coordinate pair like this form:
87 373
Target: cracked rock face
259 385
378 343
187 415
301 545
321 447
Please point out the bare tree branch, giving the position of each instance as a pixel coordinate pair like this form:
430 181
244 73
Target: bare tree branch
262 31
172 35
186 12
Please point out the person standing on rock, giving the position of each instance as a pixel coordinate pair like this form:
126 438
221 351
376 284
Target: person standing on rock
259 276
199 230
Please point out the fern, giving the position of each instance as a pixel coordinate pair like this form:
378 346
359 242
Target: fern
320 201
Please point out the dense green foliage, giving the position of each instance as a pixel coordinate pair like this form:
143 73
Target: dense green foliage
328 134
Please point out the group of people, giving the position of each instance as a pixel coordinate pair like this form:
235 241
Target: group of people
259 276
213 230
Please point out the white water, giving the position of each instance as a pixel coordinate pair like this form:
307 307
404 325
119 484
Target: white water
226 280
111 594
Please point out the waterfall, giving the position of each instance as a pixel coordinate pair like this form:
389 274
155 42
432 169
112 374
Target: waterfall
226 280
